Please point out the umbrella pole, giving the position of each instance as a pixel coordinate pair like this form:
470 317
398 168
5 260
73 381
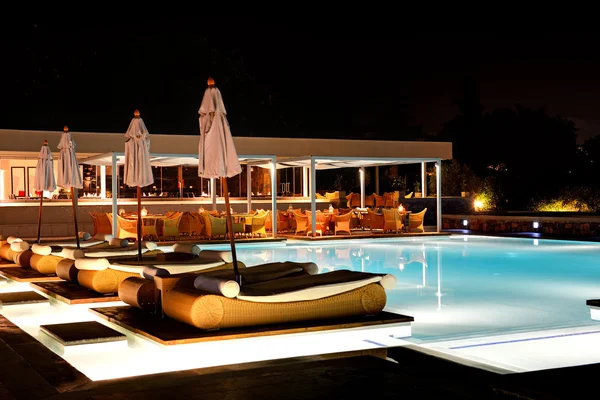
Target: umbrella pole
139 222
40 218
74 204
238 278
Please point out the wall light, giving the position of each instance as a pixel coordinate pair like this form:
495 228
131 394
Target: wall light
536 224
465 222
478 204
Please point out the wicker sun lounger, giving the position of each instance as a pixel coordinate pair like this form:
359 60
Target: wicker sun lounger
105 275
269 296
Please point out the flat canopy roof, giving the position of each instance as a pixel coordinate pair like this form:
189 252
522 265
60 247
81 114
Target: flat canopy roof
264 161
167 150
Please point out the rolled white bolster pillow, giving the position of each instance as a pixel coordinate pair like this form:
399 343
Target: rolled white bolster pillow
19 246
41 249
149 245
151 271
12 239
103 236
72 254
84 236
186 248
225 287
388 281
226 256
92 264
119 242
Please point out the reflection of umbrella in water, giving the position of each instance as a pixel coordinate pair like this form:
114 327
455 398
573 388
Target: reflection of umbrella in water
43 179
216 154
138 171
69 175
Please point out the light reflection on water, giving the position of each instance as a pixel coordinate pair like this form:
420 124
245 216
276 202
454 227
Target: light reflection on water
466 286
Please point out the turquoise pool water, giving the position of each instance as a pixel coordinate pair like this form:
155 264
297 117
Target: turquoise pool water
464 286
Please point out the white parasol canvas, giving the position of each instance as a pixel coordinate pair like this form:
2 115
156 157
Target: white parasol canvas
217 157
69 175
138 171
43 179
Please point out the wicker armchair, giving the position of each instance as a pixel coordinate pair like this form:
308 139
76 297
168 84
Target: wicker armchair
392 220
171 226
415 221
215 226
342 223
258 224
375 220
301 222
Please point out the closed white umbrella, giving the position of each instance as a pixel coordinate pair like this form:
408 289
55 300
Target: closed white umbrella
138 171
217 157
43 179
69 175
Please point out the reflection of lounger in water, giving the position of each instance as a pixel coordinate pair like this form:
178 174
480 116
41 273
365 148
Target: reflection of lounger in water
270 294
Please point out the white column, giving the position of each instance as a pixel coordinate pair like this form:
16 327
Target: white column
362 187
377 180
438 187
274 196
213 192
249 186
424 179
103 181
305 181
313 197
115 179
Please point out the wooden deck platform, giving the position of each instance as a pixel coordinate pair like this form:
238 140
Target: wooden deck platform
171 332
21 274
75 333
72 293
21 298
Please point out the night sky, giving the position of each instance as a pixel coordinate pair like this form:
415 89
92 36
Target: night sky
293 79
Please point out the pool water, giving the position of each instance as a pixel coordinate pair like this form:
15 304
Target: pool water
499 303
464 286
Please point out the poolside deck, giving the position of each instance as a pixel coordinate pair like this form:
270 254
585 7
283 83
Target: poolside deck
31 371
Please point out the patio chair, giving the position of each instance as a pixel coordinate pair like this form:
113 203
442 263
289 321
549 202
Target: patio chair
370 200
375 220
258 224
415 221
126 228
215 226
353 200
301 222
392 220
342 223
102 223
171 226
150 230
186 224
389 199
322 224
198 228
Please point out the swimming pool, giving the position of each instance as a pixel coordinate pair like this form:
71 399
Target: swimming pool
505 304
466 286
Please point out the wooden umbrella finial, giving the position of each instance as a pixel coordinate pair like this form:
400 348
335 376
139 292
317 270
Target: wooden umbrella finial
66 129
136 113
211 81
